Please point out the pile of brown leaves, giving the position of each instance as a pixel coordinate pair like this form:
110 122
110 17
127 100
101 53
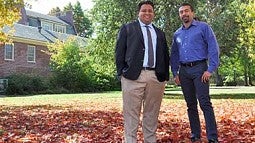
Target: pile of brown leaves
104 124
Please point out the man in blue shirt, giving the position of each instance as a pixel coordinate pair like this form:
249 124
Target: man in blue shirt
194 57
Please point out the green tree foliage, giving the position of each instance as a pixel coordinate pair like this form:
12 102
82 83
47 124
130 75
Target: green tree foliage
108 15
9 14
54 11
226 29
81 21
71 69
68 7
246 21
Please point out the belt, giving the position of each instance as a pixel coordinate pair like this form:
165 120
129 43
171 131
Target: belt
148 68
191 64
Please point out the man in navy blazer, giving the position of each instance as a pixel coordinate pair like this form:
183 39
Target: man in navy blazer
143 84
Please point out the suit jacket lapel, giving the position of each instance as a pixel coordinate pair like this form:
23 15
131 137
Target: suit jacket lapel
139 31
157 33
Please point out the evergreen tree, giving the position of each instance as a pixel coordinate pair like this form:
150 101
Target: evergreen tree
54 11
68 7
82 24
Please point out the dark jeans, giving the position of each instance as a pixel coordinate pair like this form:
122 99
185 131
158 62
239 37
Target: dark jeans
194 89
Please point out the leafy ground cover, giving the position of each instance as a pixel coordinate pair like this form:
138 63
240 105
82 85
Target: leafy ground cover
97 118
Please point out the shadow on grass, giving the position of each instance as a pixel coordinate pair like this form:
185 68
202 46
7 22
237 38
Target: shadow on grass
215 96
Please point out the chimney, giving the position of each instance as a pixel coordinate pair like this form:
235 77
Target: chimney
67 17
23 19
39 24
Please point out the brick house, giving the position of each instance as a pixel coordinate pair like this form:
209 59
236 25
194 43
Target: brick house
32 33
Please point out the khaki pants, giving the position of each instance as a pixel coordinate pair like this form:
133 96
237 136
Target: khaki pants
146 92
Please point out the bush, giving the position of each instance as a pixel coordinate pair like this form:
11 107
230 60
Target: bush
21 84
231 83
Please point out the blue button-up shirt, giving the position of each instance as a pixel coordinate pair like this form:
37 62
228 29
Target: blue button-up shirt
197 42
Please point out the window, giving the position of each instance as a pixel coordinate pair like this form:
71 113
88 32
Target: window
9 51
60 28
30 53
47 25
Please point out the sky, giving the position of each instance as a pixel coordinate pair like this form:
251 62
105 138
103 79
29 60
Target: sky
44 6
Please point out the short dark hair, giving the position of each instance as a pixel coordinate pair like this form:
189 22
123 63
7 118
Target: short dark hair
145 2
187 4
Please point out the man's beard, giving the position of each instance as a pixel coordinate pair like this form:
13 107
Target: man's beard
185 19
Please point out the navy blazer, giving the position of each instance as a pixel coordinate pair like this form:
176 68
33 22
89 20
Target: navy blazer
129 52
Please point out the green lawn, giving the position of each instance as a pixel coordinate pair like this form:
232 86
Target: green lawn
82 101
235 92
115 97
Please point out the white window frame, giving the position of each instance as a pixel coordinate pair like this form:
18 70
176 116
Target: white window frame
31 54
12 51
47 25
60 28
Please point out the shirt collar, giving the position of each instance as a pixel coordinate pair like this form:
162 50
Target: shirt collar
143 25
193 23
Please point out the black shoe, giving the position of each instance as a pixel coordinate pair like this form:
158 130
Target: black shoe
195 139
213 141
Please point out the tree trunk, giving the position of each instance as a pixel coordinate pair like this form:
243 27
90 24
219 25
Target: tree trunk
245 76
219 81
249 75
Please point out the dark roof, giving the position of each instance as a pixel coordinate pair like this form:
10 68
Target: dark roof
45 17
